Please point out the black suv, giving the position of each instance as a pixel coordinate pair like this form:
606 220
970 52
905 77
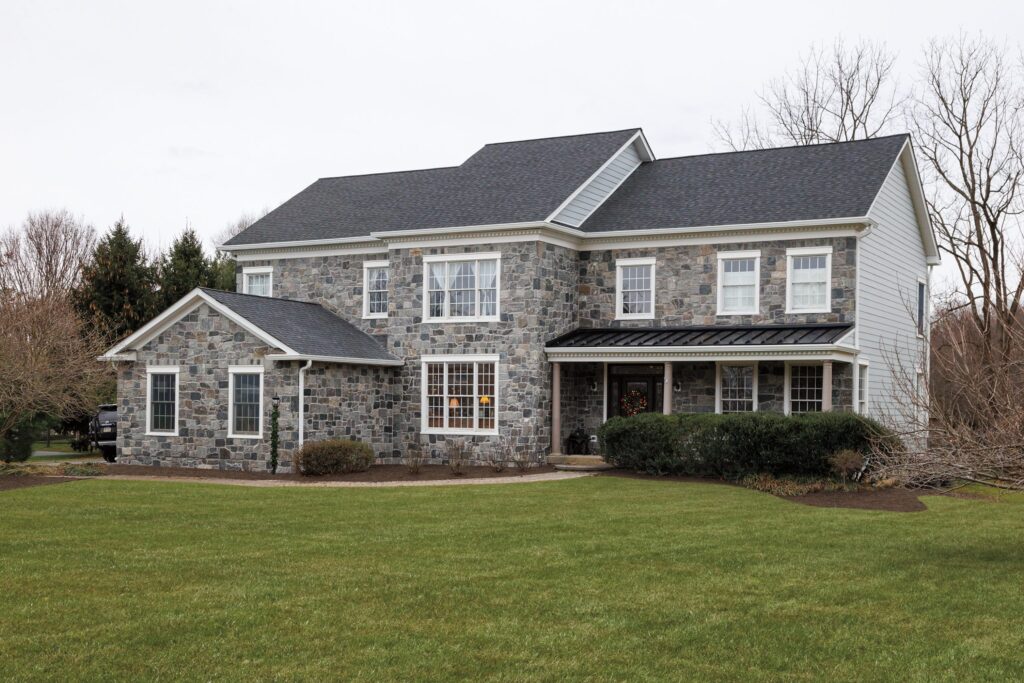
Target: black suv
103 431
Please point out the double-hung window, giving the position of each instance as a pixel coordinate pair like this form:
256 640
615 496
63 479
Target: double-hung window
862 388
737 388
460 395
806 383
808 280
922 308
462 287
375 289
258 280
245 404
634 289
738 279
162 400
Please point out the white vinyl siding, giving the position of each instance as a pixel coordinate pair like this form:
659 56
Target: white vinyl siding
600 187
890 263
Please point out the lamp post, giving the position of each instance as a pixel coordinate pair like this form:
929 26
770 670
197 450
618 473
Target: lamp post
275 413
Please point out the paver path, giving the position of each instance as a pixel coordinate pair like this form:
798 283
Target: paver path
524 479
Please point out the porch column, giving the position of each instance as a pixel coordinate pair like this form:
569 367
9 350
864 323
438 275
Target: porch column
666 400
556 409
826 386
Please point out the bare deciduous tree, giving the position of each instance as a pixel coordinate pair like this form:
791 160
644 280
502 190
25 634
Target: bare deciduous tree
44 258
846 93
238 225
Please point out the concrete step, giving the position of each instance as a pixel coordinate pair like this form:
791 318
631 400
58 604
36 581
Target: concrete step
578 463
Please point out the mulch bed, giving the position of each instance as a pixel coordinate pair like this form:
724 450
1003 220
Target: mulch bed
10 483
377 473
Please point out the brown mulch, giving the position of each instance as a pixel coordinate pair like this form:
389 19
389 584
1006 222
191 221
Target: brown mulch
10 483
377 473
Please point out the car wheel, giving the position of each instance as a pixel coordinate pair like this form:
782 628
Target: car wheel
110 454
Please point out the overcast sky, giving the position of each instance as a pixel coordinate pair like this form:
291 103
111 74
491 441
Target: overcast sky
197 112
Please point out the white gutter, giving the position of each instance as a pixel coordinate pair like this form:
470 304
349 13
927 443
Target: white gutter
336 359
302 399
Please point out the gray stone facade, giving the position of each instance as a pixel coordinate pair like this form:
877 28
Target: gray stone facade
545 291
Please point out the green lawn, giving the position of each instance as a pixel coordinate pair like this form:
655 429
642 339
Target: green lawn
599 578
58 447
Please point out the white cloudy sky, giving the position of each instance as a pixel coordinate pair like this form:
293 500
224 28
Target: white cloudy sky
179 111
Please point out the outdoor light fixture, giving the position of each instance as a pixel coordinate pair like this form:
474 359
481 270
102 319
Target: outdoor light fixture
276 401
593 385
677 386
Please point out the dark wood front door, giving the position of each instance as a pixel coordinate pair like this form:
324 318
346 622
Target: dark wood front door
628 383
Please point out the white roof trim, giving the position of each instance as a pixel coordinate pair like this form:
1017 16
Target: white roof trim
179 310
335 359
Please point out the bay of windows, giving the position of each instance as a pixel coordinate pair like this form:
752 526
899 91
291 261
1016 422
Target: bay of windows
460 394
461 288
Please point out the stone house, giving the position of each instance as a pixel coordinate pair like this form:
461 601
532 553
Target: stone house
541 287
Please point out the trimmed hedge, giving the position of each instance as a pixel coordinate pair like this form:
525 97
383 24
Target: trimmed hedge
333 456
735 445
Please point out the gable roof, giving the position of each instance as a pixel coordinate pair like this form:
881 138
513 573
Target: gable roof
813 182
301 330
510 182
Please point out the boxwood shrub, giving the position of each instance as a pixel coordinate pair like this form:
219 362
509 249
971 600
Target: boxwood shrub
333 456
733 446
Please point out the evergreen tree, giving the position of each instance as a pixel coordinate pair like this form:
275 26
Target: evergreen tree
117 293
184 268
223 268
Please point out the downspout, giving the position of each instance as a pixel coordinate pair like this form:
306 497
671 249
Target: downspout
302 399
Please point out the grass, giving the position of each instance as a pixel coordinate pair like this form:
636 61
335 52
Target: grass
598 578
58 447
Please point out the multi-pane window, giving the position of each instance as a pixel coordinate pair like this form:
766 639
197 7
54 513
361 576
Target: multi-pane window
738 283
862 389
805 388
462 288
809 279
738 387
246 388
460 394
922 308
257 280
375 289
163 400
635 288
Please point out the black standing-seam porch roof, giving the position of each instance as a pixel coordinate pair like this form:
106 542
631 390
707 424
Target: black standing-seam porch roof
709 335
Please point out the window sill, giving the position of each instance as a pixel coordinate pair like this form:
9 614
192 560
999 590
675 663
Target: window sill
798 311
489 319
731 313
251 437
635 316
375 316
459 432
161 433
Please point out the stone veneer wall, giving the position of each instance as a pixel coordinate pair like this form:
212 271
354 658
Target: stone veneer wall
687 282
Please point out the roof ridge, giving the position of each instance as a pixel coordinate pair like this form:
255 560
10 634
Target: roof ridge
774 149
260 296
410 170
561 137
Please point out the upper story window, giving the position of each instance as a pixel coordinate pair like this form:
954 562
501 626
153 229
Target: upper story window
922 308
258 280
808 280
162 400
462 287
634 289
375 289
738 290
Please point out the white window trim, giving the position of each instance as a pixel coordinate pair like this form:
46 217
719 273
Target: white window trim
619 264
863 385
243 370
787 391
367 265
444 358
922 324
728 255
449 258
162 370
258 270
825 251
718 382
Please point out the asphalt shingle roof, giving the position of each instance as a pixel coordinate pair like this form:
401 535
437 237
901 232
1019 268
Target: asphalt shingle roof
308 328
508 182
838 180
720 335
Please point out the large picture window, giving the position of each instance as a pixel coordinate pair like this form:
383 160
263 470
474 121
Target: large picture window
738 274
805 388
808 280
737 388
460 395
375 289
245 418
162 400
462 287
634 288
258 280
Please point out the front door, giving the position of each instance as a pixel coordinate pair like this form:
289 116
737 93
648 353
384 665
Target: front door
634 389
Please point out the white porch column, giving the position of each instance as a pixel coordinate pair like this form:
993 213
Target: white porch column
556 409
826 386
666 401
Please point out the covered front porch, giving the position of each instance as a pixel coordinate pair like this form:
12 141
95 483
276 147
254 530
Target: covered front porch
600 374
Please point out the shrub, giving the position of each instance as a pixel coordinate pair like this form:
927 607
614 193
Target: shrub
458 456
501 455
333 456
846 464
414 458
16 445
733 446
789 486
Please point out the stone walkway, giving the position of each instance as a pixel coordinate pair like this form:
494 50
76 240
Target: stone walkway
524 479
